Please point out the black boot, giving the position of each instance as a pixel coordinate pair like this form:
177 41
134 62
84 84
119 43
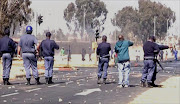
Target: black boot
50 80
4 81
37 81
149 85
47 80
104 81
143 84
99 80
7 81
28 81
154 85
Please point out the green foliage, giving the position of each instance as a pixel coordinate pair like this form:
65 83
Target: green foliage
141 21
14 13
95 15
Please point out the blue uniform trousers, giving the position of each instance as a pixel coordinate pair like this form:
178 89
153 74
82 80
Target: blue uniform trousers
48 62
103 66
30 61
7 62
148 71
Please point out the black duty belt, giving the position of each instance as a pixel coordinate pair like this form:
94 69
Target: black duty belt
149 58
29 52
105 56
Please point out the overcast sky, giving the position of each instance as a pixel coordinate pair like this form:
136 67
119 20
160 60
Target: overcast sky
52 11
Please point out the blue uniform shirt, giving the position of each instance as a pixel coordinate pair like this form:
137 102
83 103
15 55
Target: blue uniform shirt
149 48
47 47
103 49
27 43
7 45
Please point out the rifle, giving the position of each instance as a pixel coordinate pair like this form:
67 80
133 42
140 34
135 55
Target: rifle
157 61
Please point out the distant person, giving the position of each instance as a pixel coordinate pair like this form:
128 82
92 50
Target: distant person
137 55
83 53
7 49
62 52
47 48
103 50
69 54
175 52
161 55
90 52
29 46
122 50
166 55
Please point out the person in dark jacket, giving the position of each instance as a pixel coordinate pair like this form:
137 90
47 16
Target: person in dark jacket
47 48
103 52
151 50
122 50
83 53
7 48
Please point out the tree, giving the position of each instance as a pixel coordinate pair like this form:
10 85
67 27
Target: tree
141 21
94 11
57 35
13 13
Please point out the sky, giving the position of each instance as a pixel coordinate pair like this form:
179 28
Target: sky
53 11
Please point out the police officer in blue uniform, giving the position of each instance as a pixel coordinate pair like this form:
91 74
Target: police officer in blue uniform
47 48
27 45
7 48
103 53
151 49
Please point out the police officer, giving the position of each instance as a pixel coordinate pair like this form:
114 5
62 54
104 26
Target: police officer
28 44
47 48
7 48
151 50
103 53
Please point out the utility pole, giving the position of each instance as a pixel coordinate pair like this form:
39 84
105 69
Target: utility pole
155 25
167 26
84 23
36 23
115 29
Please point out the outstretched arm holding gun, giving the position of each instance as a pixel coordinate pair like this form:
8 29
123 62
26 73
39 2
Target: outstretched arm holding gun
161 47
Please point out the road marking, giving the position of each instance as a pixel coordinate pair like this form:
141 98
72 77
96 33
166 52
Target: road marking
33 90
69 82
88 91
54 85
169 67
9 94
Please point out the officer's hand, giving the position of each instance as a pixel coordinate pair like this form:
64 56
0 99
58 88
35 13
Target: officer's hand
170 47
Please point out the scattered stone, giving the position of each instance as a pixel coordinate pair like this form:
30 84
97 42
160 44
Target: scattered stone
35 94
40 98
4 101
60 100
